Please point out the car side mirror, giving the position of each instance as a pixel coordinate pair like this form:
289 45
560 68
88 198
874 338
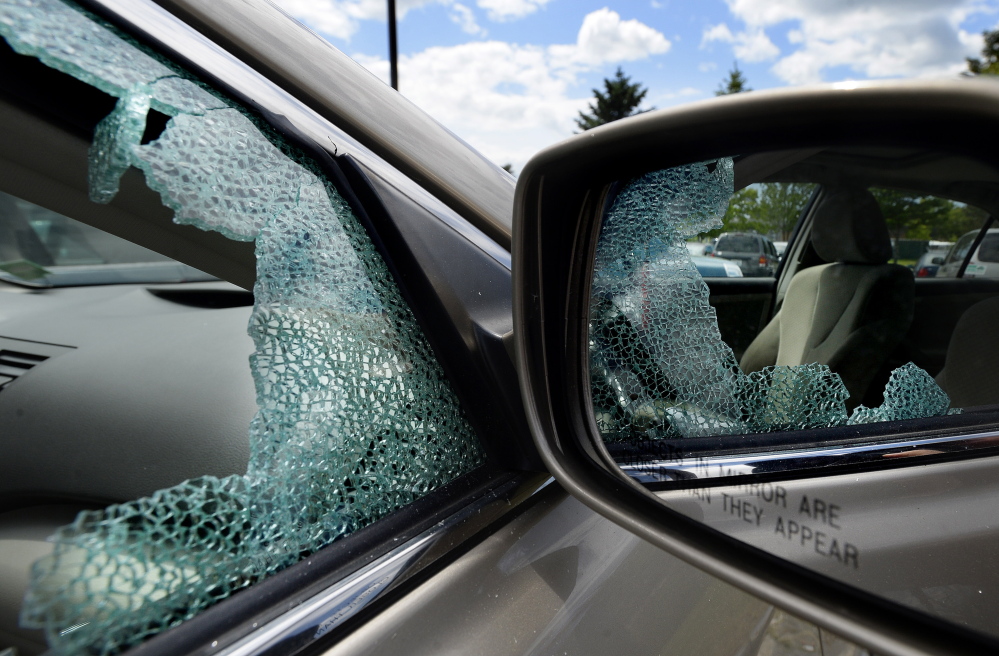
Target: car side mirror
605 301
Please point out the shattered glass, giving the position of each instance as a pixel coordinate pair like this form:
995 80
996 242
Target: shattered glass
110 152
658 365
73 43
355 419
910 393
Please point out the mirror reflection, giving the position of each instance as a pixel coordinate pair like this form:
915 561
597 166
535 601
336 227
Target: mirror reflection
842 337
786 312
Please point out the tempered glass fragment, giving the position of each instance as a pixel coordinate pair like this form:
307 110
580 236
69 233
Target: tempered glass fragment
70 42
659 368
176 95
111 150
355 420
216 172
910 393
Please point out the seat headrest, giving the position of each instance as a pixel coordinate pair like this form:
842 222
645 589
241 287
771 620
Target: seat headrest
849 227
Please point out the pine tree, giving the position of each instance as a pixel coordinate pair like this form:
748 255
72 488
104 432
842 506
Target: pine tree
989 63
736 82
619 99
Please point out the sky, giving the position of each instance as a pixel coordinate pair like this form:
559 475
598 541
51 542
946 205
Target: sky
510 76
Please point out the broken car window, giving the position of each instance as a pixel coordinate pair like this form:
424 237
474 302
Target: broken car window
659 367
355 419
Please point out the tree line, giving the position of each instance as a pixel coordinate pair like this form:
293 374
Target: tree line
621 98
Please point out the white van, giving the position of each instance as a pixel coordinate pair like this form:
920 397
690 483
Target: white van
984 262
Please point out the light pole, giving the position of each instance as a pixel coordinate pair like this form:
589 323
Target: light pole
393 48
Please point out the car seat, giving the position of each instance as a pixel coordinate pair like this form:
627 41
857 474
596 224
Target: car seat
970 375
849 313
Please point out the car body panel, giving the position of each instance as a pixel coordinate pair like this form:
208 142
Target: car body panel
561 579
716 267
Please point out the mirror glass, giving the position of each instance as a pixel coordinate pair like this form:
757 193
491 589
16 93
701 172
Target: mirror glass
799 348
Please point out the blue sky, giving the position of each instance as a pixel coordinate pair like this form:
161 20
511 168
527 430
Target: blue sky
509 75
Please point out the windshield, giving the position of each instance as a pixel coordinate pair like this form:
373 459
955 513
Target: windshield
738 244
41 248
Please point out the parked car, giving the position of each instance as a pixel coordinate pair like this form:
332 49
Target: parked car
755 254
711 267
981 264
716 267
310 421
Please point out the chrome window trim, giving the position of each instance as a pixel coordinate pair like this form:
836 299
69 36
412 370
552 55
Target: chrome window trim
326 611
803 460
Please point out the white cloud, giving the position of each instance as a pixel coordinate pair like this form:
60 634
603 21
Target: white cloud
707 67
503 10
509 100
604 37
340 18
877 38
752 45
685 92
464 17
719 32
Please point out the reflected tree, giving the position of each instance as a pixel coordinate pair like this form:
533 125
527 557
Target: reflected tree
769 208
989 63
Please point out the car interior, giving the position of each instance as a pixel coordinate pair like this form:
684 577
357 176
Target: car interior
116 384
844 233
845 295
849 313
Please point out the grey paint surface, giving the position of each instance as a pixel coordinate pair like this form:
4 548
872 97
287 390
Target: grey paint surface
560 579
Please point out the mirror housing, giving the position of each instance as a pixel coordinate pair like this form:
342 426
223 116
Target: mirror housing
561 196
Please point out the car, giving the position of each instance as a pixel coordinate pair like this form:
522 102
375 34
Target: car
977 262
930 261
710 267
928 265
270 377
755 254
716 267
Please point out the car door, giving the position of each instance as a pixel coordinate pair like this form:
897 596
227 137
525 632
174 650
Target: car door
130 390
